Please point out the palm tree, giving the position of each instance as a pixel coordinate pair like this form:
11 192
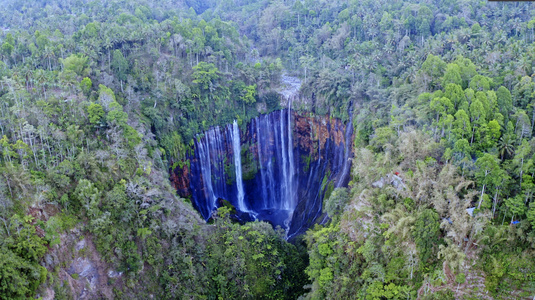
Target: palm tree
48 54
506 146
108 45
40 77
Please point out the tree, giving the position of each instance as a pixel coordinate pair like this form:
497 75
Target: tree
119 65
477 116
522 125
462 124
198 42
505 101
106 97
468 70
453 255
433 68
493 110
443 107
506 146
20 254
452 75
531 214
205 75
248 95
455 93
79 64
522 159
88 196
85 86
426 234
334 205
480 83
488 173
7 50
522 91
528 188
116 115
516 205
495 130
95 113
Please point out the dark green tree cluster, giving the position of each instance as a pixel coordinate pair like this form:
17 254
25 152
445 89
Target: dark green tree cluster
20 254
249 261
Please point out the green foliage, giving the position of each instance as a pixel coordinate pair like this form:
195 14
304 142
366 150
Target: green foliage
249 94
95 113
443 294
21 252
460 278
434 67
119 65
250 260
7 49
452 75
480 83
143 233
205 75
86 85
426 235
336 202
79 64
378 290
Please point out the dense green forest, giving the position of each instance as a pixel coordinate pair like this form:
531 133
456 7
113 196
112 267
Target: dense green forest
100 99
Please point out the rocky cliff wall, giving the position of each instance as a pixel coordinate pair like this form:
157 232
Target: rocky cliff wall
289 164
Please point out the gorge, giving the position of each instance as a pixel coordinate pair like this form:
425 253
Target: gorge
279 168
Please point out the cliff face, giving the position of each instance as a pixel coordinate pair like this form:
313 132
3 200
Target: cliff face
313 133
325 152
180 179
288 164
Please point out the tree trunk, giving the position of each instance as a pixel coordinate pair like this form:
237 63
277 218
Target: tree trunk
495 201
472 139
481 198
521 171
5 225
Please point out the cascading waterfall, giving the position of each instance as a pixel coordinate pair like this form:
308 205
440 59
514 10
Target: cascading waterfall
209 150
284 184
282 175
264 177
342 180
290 203
236 150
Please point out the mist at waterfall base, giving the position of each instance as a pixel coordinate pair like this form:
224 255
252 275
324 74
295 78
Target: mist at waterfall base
287 173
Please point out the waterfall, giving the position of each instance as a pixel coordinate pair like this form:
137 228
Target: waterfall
298 160
269 167
290 202
204 158
210 150
265 199
348 134
236 149
284 152
275 145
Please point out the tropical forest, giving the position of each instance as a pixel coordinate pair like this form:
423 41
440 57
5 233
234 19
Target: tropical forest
267 149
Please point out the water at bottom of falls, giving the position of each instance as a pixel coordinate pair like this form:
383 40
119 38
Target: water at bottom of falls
279 174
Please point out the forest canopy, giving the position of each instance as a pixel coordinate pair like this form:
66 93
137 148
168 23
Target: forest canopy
100 100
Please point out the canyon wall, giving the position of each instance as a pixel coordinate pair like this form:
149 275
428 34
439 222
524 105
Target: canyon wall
278 169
